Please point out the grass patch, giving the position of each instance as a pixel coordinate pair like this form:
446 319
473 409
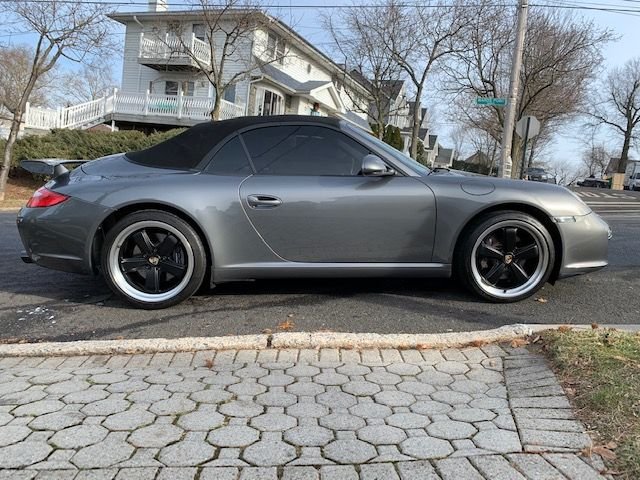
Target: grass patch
19 191
601 372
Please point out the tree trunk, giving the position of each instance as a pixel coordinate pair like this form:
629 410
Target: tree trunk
416 124
8 150
624 156
215 113
380 130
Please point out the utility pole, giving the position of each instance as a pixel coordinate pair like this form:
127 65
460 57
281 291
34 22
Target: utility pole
514 86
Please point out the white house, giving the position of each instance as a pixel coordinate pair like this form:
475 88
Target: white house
288 74
163 84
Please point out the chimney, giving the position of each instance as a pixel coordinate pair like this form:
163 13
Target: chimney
157 5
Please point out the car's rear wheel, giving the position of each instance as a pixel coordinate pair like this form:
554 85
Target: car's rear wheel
153 259
506 256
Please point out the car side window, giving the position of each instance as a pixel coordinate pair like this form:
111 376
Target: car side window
303 150
231 159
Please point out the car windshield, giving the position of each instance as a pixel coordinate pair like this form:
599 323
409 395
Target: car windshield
396 154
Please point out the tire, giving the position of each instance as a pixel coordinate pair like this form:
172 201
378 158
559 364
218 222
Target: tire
153 259
501 273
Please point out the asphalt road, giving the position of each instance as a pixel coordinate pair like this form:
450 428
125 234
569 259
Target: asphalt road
39 304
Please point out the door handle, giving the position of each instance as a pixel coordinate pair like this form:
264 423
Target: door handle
263 201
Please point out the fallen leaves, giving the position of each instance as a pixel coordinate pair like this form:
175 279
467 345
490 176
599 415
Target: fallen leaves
564 328
605 451
595 326
286 325
209 363
518 342
542 300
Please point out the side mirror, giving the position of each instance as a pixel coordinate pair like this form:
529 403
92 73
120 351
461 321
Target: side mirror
373 166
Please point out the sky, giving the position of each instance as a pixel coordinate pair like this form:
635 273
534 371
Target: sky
304 16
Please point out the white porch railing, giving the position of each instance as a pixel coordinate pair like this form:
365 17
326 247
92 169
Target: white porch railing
152 47
145 104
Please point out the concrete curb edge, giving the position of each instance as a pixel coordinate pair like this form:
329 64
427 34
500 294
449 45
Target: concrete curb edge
280 340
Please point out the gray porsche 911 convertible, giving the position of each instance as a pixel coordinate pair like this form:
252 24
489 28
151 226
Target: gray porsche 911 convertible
292 197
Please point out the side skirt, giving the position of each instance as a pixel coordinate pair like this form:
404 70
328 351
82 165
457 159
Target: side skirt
252 271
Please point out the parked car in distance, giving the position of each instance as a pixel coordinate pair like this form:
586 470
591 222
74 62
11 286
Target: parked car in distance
537 174
634 181
299 197
594 182
632 175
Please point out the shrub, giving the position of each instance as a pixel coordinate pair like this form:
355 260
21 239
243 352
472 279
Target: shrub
83 144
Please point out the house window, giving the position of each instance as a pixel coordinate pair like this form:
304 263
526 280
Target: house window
230 93
272 103
188 88
170 87
275 48
198 31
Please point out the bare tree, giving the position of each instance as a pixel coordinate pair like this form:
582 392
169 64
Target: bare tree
420 37
61 30
562 55
564 173
486 145
14 75
91 81
229 29
355 36
617 105
595 159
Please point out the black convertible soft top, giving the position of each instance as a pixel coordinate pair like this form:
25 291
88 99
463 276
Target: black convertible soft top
186 150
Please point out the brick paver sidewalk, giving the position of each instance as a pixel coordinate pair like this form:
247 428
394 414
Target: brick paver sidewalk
476 413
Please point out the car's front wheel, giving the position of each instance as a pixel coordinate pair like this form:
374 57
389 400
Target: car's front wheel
153 259
506 256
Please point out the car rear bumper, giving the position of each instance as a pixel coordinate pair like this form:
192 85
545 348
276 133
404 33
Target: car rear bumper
60 237
585 245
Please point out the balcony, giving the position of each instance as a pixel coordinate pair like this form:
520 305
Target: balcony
173 53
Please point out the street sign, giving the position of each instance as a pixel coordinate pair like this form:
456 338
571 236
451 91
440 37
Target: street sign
491 102
533 127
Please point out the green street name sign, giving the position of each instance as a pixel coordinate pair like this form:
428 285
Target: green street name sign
491 102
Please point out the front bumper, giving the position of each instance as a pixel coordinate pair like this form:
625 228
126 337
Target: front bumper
585 245
60 237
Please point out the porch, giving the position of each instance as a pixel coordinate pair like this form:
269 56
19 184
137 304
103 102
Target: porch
178 110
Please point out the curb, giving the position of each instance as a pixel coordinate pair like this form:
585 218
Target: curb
284 340
9 209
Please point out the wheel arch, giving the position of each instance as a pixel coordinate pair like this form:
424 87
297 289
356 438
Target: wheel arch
123 211
535 212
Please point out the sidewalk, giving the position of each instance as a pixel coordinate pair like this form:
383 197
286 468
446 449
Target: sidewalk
477 413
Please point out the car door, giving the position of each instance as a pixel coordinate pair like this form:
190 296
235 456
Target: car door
309 202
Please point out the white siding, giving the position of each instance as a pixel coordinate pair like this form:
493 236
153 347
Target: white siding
135 77
295 63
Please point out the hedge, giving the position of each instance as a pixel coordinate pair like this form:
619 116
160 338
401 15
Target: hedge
83 144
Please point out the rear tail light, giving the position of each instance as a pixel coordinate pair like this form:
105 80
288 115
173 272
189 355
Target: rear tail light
43 197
